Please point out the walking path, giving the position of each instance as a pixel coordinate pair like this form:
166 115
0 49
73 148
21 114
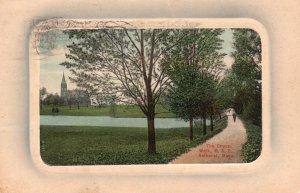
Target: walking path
225 147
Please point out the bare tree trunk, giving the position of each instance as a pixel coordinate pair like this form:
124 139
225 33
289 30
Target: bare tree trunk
191 129
150 101
204 126
151 132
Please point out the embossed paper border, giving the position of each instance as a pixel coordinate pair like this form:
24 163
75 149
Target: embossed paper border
279 173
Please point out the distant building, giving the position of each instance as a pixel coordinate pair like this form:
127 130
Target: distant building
77 97
63 87
73 97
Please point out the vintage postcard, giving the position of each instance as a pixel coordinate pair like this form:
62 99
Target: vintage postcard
147 92
149 96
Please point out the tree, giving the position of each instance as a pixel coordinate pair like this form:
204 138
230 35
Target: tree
122 62
246 74
53 99
78 100
43 93
206 98
194 68
183 95
224 98
79 97
213 105
112 106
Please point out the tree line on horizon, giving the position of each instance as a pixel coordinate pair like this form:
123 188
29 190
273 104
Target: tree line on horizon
76 99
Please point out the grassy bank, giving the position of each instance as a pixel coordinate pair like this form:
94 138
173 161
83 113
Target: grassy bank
252 148
77 145
117 111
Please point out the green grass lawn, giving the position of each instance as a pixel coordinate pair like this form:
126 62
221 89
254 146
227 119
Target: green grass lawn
120 111
77 145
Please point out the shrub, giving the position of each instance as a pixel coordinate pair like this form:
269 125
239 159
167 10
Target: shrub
252 148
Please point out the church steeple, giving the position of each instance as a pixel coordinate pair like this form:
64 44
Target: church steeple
63 87
63 81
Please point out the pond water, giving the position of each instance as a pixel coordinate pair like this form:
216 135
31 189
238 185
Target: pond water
110 121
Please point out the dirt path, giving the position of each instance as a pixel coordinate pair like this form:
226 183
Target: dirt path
225 147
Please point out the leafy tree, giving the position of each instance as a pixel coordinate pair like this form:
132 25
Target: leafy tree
122 62
112 105
184 94
43 93
246 73
213 104
194 68
71 101
224 94
53 99
78 97
206 98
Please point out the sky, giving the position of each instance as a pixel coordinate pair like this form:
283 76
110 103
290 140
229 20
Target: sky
51 72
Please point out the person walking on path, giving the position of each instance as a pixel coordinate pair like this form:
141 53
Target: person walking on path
225 147
234 116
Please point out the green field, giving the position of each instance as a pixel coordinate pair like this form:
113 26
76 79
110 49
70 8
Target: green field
119 111
77 145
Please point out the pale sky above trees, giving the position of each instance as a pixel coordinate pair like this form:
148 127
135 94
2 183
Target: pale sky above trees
50 58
